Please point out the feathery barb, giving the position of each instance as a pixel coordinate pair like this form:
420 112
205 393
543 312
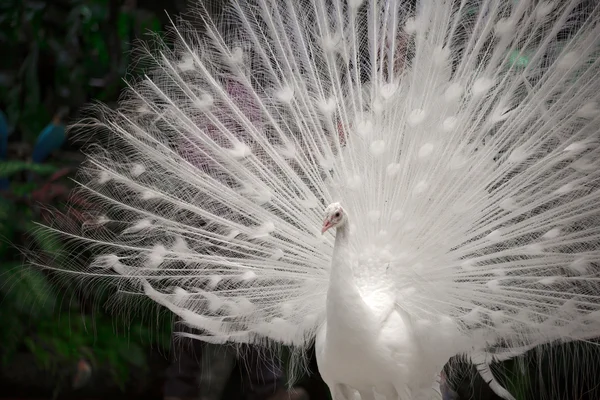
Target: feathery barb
462 139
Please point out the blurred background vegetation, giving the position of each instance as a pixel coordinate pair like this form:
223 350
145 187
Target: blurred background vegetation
57 56
58 340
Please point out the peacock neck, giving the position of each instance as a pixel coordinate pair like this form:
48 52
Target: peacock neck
347 314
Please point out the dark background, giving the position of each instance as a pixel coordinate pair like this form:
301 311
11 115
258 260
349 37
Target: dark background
60 341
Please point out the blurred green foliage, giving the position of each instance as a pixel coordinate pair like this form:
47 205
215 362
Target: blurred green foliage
58 55
63 53
56 320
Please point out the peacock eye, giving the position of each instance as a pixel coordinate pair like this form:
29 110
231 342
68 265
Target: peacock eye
337 214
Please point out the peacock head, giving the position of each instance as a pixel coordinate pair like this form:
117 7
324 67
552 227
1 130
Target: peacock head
335 216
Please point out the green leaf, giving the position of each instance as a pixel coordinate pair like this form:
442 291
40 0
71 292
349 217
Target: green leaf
123 26
42 356
133 354
48 241
7 226
8 168
6 209
26 290
64 349
11 336
23 189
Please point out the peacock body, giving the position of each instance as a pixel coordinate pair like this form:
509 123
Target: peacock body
454 146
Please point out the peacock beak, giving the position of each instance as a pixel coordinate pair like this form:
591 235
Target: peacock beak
326 225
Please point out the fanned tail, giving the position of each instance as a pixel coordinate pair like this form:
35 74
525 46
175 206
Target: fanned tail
461 138
497 230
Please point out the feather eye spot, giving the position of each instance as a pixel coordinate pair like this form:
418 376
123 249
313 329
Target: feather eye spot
389 90
377 147
104 177
453 92
137 169
327 106
495 235
412 25
504 27
416 117
187 63
568 60
449 124
482 86
588 111
364 126
544 9
426 150
285 95
354 182
237 56
204 102
393 169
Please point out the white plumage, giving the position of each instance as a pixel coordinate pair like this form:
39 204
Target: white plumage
458 140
